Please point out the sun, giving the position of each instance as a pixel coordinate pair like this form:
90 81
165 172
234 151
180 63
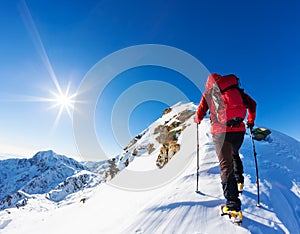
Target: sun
64 101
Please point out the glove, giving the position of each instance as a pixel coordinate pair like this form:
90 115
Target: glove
250 125
197 120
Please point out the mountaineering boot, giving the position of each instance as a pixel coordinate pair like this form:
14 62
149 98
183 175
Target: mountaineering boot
235 217
240 187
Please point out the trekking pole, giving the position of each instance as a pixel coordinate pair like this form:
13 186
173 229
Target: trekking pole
256 167
197 159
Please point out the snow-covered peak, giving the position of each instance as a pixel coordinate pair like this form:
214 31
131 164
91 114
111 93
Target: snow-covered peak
36 175
47 159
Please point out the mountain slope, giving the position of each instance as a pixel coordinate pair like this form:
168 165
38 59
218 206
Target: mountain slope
174 207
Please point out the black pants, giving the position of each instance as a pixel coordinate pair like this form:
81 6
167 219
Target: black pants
231 167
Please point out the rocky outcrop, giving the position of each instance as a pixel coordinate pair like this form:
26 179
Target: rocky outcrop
168 135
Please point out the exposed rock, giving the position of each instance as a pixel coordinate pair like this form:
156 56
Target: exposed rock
173 148
165 135
112 170
162 158
150 148
185 115
167 110
167 151
131 143
134 152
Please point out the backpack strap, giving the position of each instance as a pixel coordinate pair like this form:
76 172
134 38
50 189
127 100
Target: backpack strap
236 86
245 100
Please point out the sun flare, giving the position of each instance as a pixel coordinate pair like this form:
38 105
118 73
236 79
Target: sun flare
64 101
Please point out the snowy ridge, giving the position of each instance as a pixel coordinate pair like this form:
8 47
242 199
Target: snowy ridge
175 207
145 147
81 180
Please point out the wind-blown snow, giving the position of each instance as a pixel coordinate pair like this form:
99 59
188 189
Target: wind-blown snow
175 207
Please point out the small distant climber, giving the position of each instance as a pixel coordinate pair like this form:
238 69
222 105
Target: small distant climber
83 200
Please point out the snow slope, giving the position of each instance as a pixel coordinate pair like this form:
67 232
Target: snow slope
175 207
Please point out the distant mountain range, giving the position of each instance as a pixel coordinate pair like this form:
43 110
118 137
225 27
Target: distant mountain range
55 176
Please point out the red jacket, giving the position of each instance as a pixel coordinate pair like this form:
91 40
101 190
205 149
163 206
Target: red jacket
217 127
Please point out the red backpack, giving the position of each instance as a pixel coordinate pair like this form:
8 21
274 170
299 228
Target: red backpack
227 105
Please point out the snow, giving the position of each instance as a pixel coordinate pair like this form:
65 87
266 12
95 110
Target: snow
175 207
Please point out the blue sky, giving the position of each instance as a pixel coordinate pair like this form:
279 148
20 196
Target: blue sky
258 41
